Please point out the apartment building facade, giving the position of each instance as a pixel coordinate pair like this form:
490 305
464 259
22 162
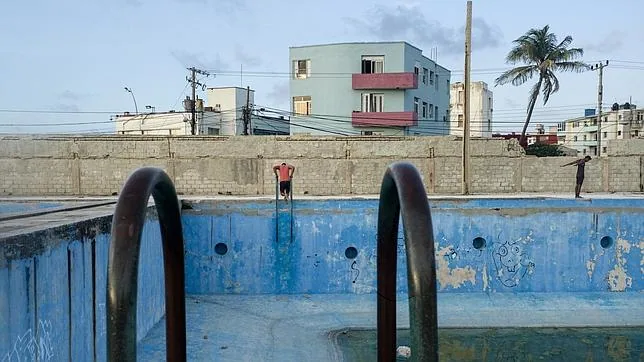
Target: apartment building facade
381 88
481 108
621 122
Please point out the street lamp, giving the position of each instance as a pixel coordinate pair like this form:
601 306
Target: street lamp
136 109
151 107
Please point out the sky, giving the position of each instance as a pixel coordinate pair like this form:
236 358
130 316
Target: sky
65 63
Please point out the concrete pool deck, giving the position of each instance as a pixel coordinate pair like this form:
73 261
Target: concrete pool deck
303 327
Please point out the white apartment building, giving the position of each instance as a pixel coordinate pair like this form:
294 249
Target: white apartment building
621 122
223 117
481 107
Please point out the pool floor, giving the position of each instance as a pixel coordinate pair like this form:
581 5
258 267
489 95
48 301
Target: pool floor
305 327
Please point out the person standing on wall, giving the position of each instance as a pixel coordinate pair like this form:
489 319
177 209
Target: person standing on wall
284 173
580 163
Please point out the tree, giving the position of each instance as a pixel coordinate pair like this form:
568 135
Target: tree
540 54
543 150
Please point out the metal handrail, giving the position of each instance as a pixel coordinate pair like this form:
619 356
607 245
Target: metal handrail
402 191
123 263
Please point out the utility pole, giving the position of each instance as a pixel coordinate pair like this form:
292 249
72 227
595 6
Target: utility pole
466 108
600 93
246 113
194 83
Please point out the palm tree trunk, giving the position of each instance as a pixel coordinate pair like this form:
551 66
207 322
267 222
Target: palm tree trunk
533 101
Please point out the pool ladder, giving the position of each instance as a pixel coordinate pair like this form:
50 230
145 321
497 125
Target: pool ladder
402 193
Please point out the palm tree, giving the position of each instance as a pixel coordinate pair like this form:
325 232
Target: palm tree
541 55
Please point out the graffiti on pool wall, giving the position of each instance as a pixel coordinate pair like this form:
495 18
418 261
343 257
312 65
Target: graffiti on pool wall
511 263
32 347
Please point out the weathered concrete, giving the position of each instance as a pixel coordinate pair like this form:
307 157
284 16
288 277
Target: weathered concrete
300 327
67 165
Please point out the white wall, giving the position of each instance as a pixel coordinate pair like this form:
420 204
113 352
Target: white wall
481 109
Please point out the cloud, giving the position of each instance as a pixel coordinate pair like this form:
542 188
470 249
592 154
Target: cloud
246 59
199 60
609 43
280 93
511 104
406 21
71 96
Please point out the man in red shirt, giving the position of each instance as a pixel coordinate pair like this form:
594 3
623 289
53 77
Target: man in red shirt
284 173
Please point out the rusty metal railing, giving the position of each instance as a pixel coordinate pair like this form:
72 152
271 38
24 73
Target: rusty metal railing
123 263
403 192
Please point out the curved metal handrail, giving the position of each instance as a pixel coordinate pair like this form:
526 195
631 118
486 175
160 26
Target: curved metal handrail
403 191
122 272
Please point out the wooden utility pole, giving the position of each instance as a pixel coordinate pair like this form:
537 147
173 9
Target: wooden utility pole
466 108
194 83
600 94
246 113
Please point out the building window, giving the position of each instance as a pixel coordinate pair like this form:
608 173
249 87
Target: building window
373 64
424 114
302 105
301 69
460 121
416 72
416 100
619 133
489 125
425 75
431 77
604 150
574 138
213 131
459 98
436 84
435 112
640 116
372 102
371 133
620 117
637 133
448 87
605 134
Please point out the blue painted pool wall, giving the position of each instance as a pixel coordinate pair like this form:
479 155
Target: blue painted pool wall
10 207
52 304
553 245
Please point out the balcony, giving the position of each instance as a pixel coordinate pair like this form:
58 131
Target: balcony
385 81
384 119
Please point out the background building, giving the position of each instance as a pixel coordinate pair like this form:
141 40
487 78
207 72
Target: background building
224 117
621 122
387 88
481 107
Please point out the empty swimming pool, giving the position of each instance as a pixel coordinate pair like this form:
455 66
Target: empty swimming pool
268 283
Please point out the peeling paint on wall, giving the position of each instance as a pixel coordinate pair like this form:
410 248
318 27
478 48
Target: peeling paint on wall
452 277
618 279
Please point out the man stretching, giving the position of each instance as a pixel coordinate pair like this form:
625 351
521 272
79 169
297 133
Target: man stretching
580 173
284 173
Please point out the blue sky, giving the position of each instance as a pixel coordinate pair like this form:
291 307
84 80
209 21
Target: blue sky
76 56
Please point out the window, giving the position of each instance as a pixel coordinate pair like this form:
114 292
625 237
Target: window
459 98
605 134
619 133
416 100
603 149
372 102
431 111
302 105
620 117
373 64
637 133
574 138
425 73
435 111
640 116
585 137
424 110
431 77
436 84
448 87
213 131
301 69
460 121
371 133
416 71
489 125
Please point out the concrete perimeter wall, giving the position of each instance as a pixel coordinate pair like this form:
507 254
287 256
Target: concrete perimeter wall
68 165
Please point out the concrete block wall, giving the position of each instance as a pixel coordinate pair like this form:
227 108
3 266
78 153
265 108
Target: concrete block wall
67 165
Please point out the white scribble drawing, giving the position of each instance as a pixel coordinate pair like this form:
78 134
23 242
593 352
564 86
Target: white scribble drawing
30 347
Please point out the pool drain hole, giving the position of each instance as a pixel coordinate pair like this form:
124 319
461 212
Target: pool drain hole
478 243
606 242
351 252
221 248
